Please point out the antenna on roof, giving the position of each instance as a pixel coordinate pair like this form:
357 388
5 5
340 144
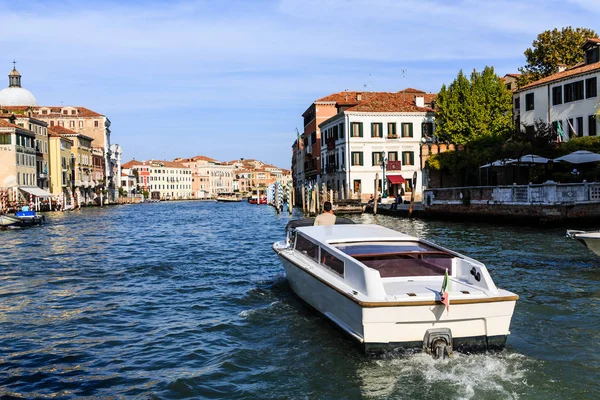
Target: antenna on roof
403 73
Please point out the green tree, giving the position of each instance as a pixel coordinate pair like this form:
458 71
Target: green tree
475 108
552 48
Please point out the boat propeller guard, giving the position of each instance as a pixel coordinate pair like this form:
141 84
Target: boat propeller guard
438 342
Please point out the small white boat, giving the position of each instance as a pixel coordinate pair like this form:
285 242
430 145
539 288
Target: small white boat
590 239
9 220
384 289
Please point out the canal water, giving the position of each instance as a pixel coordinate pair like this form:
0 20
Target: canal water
187 300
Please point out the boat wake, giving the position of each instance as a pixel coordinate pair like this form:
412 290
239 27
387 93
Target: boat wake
498 375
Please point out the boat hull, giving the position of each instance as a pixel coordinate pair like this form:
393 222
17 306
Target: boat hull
475 326
590 239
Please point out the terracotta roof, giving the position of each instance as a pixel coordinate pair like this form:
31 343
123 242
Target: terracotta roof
55 111
6 124
392 102
132 163
56 135
61 130
573 71
513 75
167 164
195 158
593 40
348 98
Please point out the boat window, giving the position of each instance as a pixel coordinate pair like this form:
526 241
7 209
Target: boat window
401 259
332 262
307 247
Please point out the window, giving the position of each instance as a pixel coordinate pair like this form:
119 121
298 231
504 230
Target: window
72 124
392 134
81 124
592 125
529 102
427 129
377 157
573 91
73 112
376 128
393 156
357 158
556 95
61 123
518 103
4 139
579 126
96 124
332 262
529 130
407 129
571 127
357 129
591 88
357 186
408 158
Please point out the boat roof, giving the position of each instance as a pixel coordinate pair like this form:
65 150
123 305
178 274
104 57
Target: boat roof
353 233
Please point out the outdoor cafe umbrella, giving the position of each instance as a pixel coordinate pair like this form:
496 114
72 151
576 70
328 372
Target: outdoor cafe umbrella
579 157
531 159
499 163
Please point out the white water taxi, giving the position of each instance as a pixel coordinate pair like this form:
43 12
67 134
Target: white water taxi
383 288
590 239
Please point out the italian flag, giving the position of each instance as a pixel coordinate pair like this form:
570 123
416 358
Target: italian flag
444 292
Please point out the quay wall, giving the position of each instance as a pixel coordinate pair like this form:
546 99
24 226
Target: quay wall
546 204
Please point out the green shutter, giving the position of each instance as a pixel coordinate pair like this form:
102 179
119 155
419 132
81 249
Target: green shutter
360 129
360 157
411 130
412 157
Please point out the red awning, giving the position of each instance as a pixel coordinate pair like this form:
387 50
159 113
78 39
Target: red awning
395 179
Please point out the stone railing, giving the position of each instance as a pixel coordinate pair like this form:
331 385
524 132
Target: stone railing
546 193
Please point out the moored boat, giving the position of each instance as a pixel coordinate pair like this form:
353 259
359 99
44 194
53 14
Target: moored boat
228 197
590 239
387 290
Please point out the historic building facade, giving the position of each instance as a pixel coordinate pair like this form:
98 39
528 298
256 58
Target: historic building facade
567 99
374 147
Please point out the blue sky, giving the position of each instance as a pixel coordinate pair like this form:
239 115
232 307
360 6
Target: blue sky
230 79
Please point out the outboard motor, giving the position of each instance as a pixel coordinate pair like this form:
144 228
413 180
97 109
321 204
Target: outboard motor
438 343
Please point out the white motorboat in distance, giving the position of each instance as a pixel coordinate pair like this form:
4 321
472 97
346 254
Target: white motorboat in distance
590 239
382 288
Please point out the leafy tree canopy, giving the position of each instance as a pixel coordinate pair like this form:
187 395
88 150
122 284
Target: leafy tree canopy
470 109
552 48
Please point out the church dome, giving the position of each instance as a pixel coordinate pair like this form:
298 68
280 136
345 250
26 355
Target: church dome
17 96
14 94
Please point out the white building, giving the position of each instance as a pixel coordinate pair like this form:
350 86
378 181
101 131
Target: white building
170 180
569 97
388 129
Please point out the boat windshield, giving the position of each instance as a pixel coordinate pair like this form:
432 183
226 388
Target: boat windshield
400 259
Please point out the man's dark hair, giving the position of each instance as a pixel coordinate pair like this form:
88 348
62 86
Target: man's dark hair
327 206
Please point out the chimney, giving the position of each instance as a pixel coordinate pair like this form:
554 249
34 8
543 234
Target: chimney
420 101
561 67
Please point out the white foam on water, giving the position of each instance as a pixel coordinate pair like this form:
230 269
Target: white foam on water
462 377
253 311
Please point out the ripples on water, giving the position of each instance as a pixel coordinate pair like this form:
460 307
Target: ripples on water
187 300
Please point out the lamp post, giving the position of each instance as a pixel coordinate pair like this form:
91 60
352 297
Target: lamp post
383 164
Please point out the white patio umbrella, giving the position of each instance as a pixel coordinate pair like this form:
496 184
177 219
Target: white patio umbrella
580 157
499 163
532 159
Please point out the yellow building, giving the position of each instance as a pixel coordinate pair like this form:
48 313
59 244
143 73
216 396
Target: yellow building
82 184
60 167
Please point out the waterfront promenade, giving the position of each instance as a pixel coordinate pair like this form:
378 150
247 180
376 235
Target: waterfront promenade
187 300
